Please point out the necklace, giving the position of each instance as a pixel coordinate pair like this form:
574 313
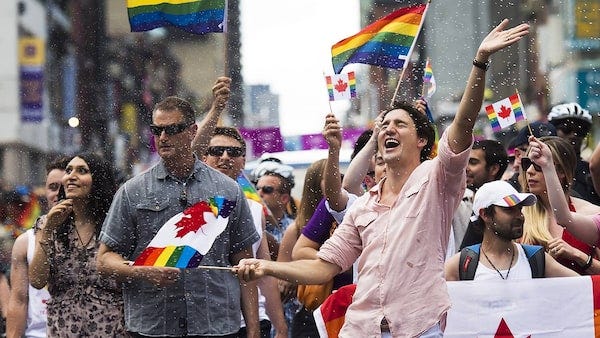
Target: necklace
495 268
83 244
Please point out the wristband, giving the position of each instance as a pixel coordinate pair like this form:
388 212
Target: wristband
481 65
588 263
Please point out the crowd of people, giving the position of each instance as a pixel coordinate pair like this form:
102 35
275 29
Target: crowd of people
397 224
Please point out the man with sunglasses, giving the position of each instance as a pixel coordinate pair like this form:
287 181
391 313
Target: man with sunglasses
573 123
171 302
226 152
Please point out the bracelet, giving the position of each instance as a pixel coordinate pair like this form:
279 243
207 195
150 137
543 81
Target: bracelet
588 263
481 65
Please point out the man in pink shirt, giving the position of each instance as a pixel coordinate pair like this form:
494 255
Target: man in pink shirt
400 228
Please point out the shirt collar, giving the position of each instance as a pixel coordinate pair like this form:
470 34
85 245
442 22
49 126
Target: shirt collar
162 173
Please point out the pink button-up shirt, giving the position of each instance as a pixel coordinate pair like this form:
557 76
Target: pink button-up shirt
401 249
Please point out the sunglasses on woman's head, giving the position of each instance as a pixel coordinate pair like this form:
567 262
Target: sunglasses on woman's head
219 150
526 162
170 130
267 189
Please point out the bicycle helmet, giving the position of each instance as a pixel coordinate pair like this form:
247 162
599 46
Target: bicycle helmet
570 117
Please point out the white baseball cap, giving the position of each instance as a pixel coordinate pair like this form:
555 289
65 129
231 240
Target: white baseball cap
499 193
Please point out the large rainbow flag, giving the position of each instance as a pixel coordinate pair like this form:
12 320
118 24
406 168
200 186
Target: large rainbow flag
184 239
194 16
387 42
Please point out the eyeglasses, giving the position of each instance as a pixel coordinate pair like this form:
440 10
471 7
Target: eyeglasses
231 151
267 189
526 163
170 130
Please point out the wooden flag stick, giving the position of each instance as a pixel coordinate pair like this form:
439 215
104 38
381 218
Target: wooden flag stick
397 87
526 119
211 267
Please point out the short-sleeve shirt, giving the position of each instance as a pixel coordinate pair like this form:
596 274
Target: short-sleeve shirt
201 302
401 248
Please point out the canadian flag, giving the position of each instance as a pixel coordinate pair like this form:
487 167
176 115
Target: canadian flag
543 307
341 86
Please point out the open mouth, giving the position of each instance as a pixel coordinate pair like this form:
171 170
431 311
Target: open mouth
391 143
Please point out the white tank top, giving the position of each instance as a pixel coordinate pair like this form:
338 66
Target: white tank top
520 270
257 211
36 307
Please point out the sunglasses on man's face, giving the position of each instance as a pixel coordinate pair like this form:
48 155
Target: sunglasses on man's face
267 189
170 130
231 151
526 163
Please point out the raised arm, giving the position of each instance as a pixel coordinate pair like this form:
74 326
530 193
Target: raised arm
332 132
359 166
221 91
460 131
581 226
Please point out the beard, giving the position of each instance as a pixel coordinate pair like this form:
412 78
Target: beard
515 231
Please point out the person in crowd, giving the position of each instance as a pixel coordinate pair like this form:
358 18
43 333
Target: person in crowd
303 324
83 302
487 162
270 164
520 143
167 301
541 227
585 227
573 123
497 212
27 305
226 153
401 244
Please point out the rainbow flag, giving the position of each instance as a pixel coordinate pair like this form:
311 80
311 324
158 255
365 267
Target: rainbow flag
428 78
505 112
341 86
387 42
194 16
248 188
31 211
186 237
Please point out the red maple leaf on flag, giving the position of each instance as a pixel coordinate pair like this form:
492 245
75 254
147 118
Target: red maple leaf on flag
504 112
192 219
341 86
503 331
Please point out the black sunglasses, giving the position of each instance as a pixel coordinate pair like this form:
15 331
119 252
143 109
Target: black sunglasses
526 163
170 130
267 189
231 151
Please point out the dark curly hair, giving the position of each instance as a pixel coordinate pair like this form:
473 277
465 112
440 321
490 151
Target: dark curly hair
422 125
101 194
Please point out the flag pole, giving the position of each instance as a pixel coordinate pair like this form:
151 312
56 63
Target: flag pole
409 54
526 119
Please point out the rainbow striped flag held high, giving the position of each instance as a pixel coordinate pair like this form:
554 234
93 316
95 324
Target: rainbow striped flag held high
505 112
341 86
387 42
429 79
184 239
248 188
194 16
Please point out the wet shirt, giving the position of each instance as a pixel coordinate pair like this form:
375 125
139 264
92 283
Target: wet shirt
401 249
201 302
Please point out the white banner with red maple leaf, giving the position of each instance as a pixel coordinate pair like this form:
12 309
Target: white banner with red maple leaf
186 237
545 307
341 86
505 112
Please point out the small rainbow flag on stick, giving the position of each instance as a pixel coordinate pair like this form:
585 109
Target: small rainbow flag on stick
184 239
429 79
505 112
194 16
341 86
387 42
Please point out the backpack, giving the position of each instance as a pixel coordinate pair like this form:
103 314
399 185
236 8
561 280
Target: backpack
469 259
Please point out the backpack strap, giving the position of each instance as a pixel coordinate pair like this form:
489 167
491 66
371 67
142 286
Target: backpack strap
537 260
469 259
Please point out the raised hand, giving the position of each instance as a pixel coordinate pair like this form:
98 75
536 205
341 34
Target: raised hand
221 91
499 38
58 214
332 132
539 152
